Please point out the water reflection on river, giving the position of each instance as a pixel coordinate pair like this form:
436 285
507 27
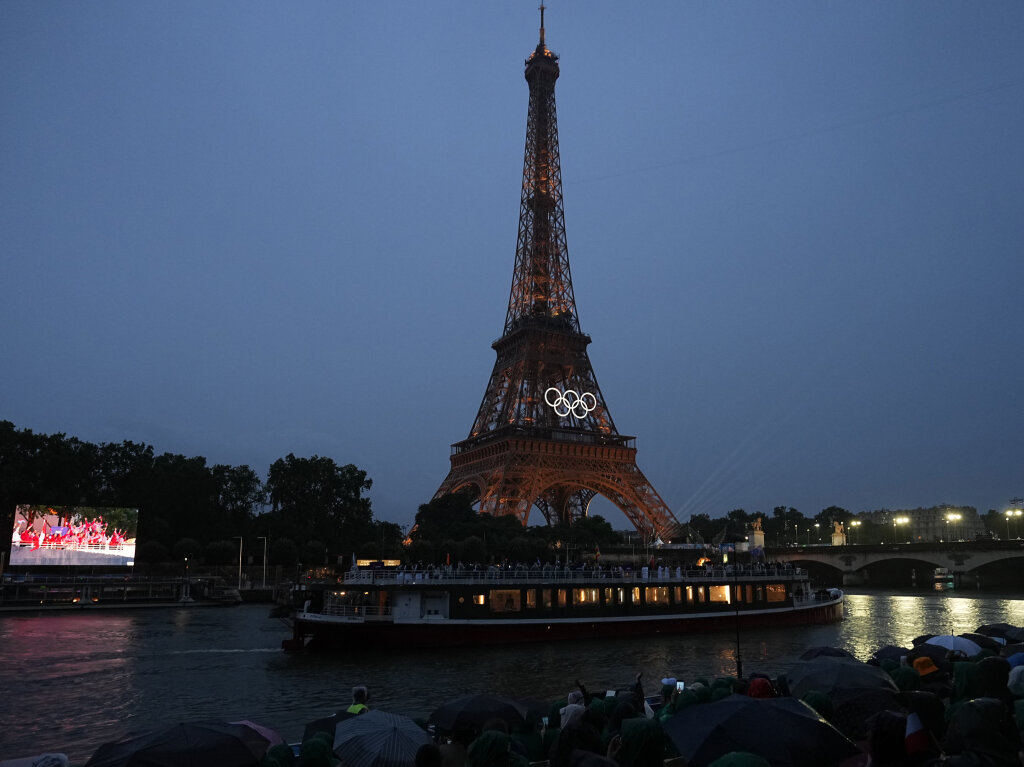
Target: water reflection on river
73 681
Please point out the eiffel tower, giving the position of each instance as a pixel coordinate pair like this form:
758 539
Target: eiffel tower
543 435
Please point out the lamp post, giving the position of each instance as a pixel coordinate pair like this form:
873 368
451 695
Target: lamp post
1013 514
736 603
955 518
898 521
239 561
264 539
1017 512
817 531
854 524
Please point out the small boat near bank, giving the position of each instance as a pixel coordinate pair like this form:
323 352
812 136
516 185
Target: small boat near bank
44 593
443 608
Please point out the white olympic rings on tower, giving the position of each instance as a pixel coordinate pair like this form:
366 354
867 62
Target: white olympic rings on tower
580 405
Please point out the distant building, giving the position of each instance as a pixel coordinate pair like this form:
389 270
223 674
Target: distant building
939 523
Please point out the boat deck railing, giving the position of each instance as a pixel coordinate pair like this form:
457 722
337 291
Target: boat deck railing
356 612
822 595
663 575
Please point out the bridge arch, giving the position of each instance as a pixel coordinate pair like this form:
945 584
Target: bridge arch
856 564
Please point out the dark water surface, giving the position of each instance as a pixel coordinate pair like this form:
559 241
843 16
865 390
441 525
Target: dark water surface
70 682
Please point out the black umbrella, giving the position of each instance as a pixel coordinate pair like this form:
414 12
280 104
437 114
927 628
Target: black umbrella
857 690
827 674
191 744
1004 630
379 739
935 652
851 709
472 711
326 724
1011 649
889 652
781 730
816 652
986 642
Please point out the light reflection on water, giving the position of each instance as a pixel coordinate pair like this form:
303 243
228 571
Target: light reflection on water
100 676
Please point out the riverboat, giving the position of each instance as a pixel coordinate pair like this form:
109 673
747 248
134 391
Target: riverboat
375 609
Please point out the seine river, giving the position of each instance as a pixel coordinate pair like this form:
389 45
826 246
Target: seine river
71 682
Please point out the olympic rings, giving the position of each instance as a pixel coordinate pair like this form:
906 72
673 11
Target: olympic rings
580 405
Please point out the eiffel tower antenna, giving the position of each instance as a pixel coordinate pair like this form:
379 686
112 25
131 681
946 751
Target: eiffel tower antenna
543 436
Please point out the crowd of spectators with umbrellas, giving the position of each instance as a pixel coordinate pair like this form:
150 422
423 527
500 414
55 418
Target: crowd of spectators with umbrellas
946 700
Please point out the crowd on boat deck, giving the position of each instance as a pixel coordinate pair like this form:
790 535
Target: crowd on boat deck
591 567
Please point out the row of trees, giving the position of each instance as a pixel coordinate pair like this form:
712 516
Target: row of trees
309 509
448 529
312 510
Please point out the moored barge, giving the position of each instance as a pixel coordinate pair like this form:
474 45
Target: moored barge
21 592
375 609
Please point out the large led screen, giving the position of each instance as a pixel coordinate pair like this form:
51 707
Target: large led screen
73 535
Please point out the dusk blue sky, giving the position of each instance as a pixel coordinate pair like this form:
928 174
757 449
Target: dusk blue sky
246 229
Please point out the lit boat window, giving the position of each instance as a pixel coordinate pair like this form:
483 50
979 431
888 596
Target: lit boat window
776 592
504 600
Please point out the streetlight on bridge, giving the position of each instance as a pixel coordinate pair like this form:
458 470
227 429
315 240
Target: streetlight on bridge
854 524
898 521
1015 504
955 518
1015 514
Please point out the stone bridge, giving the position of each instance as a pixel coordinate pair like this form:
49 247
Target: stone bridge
855 563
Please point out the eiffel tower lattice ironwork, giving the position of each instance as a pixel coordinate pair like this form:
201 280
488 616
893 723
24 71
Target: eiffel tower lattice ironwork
543 435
